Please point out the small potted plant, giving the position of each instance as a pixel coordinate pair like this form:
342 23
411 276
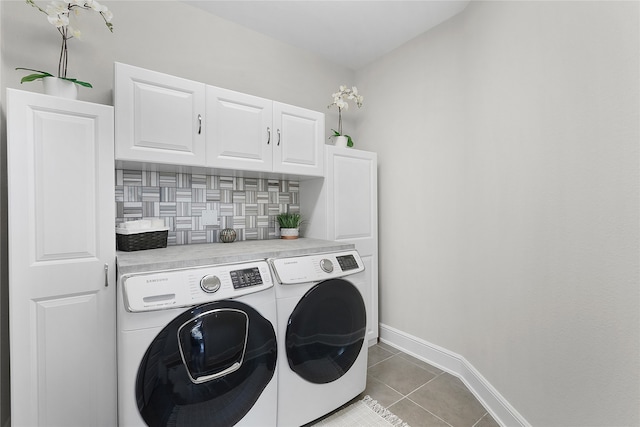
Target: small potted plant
59 13
340 99
289 225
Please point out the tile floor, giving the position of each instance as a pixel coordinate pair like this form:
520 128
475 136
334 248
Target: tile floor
421 394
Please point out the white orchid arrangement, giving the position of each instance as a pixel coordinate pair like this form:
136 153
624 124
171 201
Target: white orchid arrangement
58 14
340 99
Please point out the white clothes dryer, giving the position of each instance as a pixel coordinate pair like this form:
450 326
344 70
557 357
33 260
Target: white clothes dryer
322 319
197 347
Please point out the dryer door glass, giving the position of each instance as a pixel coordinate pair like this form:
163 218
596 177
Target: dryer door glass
207 367
326 331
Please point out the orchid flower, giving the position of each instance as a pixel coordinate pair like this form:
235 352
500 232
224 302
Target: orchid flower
340 99
58 12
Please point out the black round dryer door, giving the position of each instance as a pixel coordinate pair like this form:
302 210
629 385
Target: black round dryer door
326 331
207 367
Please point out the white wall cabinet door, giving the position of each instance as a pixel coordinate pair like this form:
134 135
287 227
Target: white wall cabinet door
61 261
240 133
353 202
344 207
247 132
159 117
299 145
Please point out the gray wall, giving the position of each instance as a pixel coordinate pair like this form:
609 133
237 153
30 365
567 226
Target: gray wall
166 36
507 141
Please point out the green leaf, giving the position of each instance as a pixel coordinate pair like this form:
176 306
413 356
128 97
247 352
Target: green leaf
37 71
78 82
349 141
289 220
32 77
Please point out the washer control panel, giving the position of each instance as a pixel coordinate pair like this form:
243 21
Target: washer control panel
246 277
315 268
181 288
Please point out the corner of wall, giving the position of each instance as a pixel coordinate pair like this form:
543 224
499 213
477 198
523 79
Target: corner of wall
457 365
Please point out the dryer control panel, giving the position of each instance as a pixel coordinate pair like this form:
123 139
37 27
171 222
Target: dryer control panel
316 267
181 288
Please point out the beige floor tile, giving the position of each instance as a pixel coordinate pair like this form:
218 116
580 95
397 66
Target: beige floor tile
381 392
388 348
454 380
450 402
400 374
377 354
414 415
420 363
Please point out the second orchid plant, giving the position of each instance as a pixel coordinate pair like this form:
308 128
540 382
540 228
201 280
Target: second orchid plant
340 100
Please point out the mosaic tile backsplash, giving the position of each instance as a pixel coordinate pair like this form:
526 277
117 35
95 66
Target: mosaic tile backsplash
248 205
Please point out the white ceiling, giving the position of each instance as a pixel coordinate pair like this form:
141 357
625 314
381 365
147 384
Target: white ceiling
351 33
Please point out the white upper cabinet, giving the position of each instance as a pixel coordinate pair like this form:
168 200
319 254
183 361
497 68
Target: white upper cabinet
299 140
159 118
169 120
240 131
247 132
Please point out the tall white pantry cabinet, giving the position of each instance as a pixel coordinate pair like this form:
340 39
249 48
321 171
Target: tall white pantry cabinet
344 207
61 261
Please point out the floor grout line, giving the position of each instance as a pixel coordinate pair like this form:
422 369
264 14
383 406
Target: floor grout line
377 363
480 419
425 409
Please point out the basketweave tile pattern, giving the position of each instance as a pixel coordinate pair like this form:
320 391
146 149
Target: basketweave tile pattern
248 205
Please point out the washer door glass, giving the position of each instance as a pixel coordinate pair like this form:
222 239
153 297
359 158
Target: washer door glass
326 331
207 367
208 356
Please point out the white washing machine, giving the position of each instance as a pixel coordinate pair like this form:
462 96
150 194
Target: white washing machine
197 347
322 361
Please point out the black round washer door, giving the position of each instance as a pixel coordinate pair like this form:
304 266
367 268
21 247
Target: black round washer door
208 367
326 331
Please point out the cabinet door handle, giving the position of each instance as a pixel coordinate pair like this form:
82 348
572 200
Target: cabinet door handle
199 124
106 275
268 135
278 137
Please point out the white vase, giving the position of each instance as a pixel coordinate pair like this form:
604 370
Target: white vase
341 141
289 233
60 87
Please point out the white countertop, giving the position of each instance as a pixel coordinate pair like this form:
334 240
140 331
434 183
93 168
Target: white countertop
185 256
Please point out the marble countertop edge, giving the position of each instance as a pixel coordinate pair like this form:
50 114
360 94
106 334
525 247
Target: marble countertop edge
199 255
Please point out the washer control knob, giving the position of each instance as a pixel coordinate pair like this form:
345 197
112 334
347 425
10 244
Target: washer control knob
326 265
210 283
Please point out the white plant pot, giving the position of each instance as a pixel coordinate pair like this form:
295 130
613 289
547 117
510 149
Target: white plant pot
289 233
60 87
341 141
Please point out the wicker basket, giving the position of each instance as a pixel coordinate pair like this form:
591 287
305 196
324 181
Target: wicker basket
141 240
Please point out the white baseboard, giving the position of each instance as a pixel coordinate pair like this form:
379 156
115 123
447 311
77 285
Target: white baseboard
456 365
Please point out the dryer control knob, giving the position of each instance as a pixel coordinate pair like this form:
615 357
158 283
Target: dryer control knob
326 265
210 283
